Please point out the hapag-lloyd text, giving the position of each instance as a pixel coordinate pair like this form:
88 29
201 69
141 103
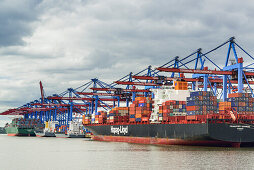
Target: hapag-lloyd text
119 130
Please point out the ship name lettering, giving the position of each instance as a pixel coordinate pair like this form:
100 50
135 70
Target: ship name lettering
239 126
119 130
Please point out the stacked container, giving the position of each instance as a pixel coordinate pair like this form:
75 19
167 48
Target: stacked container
27 123
100 117
172 108
140 110
118 114
86 119
201 103
242 103
223 106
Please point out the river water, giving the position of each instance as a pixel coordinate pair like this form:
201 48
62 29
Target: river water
34 153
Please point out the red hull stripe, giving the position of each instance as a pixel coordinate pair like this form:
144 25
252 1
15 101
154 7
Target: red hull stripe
12 134
159 141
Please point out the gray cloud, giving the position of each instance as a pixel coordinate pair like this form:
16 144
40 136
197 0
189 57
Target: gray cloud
66 43
15 20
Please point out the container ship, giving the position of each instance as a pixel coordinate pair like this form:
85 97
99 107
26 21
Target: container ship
178 116
22 127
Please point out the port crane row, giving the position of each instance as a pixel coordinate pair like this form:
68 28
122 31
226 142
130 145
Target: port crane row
98 95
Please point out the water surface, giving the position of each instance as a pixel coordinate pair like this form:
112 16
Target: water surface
34 153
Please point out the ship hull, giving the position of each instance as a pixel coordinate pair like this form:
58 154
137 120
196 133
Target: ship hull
208 134
45 134
61 135
76 135
16 131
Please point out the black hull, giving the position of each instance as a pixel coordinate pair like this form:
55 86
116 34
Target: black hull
76 136
45 134
218 134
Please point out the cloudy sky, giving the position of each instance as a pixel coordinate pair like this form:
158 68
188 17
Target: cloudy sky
66 43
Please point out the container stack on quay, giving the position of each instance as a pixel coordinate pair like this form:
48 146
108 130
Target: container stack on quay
202 103
140 110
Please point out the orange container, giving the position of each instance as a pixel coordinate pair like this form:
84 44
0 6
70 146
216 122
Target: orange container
138 115
181 85
234 95
191 117
191 108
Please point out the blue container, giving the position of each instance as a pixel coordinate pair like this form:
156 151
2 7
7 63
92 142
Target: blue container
132 116
233 104
138 119
191 103
190 112
192 94
112 114
141 105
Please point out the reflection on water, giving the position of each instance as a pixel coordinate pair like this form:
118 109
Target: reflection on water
60 153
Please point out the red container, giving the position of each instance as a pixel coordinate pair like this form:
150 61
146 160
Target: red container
145 119
191 108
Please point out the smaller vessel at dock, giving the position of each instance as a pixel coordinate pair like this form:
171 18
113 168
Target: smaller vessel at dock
48 130
75 130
